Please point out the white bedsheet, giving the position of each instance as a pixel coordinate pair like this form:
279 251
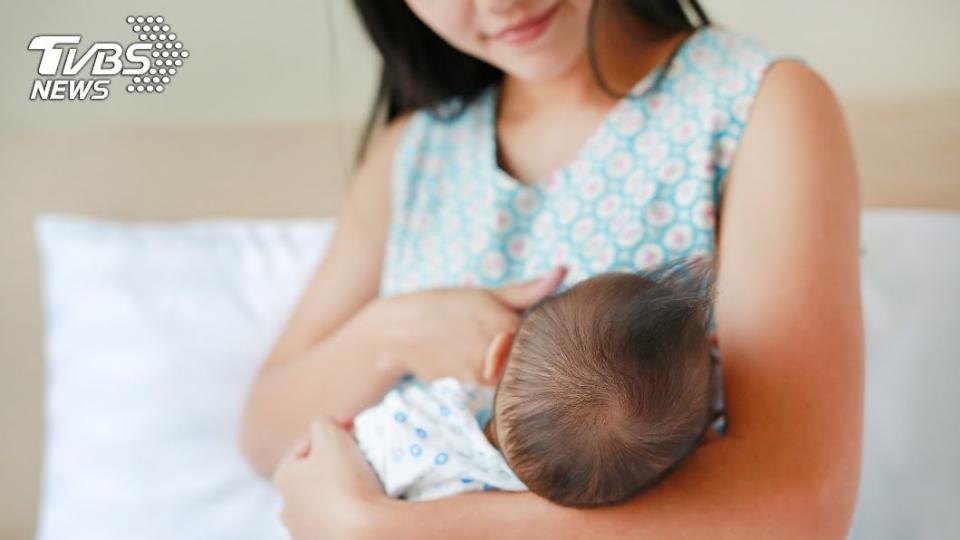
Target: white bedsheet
910 486
154 330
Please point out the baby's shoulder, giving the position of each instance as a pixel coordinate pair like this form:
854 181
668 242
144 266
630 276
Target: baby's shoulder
448 391
444 400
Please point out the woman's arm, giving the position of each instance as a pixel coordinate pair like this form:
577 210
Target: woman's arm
790 335
333 321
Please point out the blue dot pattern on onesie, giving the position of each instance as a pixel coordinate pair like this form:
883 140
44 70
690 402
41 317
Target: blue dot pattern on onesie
429 454
643 189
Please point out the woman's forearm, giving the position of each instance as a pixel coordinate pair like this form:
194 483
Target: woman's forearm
337 377
726 490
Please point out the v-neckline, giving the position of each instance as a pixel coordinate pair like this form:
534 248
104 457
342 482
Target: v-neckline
489 127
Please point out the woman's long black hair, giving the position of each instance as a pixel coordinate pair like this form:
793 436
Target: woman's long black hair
420 69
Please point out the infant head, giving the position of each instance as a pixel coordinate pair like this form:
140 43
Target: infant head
606 386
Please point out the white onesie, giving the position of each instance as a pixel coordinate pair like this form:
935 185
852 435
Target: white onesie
425 440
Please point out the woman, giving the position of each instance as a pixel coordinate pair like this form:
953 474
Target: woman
529 142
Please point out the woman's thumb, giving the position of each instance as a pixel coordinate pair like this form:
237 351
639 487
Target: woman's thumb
523 295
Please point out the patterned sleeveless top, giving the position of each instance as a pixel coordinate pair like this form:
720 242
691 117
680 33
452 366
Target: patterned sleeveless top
643 189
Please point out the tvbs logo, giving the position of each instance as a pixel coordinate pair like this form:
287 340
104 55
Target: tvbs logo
149 63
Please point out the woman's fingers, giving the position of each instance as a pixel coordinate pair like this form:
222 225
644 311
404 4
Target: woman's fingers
320 430
290 461
345 423
301 448
520 296
327 433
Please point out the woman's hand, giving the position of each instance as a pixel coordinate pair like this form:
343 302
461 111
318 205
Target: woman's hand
328 489
446 331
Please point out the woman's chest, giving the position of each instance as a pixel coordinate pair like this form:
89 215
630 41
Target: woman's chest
530 147
630 205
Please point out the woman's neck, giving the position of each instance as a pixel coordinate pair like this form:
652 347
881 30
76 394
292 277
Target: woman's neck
574 87
622 67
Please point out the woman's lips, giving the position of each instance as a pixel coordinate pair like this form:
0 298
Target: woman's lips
526 30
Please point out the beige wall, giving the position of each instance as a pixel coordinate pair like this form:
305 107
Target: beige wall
865 48
252 62
261 120
306 61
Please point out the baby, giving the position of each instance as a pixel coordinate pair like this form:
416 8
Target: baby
605 388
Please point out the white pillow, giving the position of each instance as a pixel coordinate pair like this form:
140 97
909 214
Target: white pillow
153 333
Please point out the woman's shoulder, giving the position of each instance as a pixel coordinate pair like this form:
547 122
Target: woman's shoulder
740 67
420 139
796 125
448 120
793 94
383 145
735 47
449 116
370 183
730 61
729 76
436 131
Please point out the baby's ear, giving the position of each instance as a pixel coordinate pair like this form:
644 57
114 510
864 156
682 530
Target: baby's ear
496 356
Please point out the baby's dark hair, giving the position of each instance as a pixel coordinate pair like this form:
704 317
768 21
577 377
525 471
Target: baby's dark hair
608 384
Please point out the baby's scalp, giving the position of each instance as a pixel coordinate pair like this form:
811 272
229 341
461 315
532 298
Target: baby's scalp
607 384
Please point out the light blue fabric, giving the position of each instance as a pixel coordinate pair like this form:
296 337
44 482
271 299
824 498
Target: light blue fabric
426 440
643 189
